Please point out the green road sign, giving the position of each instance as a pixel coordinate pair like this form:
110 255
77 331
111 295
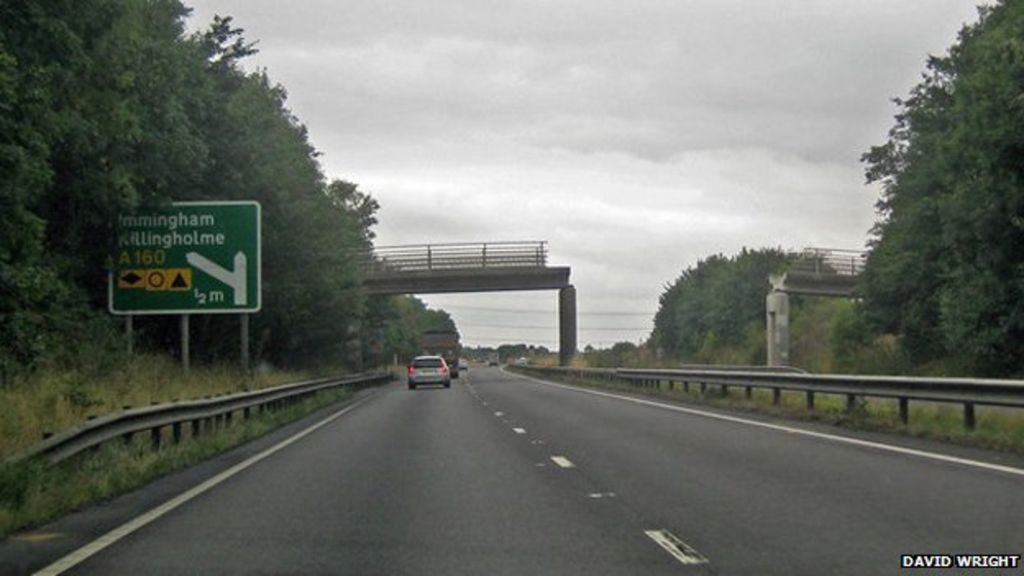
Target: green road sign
194 258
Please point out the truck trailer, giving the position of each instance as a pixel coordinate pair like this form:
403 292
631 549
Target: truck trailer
444 343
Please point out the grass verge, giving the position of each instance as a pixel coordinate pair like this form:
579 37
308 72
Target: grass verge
49 402
32 492
995 428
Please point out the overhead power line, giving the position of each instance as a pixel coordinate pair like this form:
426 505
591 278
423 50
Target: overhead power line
535 311
580 328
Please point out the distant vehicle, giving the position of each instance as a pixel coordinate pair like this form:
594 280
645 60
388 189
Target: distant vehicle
493 359
443 343
463 364
522 361
429 370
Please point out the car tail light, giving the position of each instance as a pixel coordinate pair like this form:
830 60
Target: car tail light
412 370
444 369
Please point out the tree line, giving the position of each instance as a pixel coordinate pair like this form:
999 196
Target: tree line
108 107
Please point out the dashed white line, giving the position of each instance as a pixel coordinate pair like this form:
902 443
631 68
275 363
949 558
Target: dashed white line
562 461
499 414
519 430
677 548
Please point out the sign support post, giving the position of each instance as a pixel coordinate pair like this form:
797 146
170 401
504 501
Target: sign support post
244 337
184 344
128 333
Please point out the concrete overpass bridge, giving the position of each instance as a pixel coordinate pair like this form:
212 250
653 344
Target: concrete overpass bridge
477 267
814 272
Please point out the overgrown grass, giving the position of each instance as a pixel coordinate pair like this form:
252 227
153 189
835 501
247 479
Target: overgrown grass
49 402
33 492
995 428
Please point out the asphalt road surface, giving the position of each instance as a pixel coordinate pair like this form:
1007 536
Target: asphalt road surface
503 474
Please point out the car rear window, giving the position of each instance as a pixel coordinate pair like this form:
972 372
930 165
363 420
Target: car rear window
427 363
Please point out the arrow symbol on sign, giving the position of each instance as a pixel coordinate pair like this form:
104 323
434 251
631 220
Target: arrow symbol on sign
233 278
131 278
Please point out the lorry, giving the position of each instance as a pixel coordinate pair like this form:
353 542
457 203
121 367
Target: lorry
444 343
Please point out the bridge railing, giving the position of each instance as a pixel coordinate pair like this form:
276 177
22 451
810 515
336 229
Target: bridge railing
384 260
829 261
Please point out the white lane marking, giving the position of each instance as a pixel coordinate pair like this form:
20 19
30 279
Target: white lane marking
78 556
499 414
562 461
677 548
791 430
598 495
519 430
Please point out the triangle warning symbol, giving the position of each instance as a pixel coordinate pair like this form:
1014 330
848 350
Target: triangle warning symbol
179 281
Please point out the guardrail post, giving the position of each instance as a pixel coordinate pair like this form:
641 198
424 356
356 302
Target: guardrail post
748 392
196 428
969 421
155 437
725 390
810 400
776 396
176 432
245 413
904 410
227 419
686 386
703 388
851 403
127 437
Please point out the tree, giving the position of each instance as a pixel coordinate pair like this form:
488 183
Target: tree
712 305
946 271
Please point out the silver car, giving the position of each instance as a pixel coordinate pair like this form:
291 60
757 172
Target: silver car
429 370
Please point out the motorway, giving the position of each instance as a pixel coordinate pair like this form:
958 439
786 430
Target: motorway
503 474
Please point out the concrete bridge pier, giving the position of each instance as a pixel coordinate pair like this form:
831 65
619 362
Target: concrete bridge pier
566 324
777 307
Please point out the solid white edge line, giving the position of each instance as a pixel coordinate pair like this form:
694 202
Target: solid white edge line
562 461
679 550
519 430
791 430
80 555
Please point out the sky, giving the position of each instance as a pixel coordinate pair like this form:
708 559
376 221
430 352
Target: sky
636 138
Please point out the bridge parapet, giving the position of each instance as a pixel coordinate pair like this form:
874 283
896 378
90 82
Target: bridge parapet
396 260
829 261
821 272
